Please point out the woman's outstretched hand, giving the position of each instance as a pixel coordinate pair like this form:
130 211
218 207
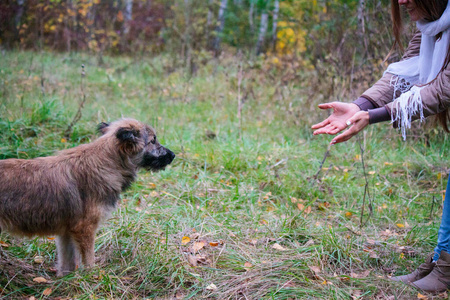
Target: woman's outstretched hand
336 122
344 115
358 122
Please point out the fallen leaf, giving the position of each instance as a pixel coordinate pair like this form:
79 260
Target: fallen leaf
315 269
47 292
360 275
248 265
198 246
348 214
399 225
300 206
213 244
278 247
324 205
307 210
185 240
50 238
263 222
420 296
211 287
3 244
371 172
152 185
253 242
40 280
38 259
154 194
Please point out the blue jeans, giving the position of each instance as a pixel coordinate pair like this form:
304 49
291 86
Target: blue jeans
443 242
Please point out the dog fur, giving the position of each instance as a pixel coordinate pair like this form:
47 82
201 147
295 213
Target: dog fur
69 194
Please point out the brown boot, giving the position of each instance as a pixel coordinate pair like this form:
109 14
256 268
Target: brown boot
422 271
439 279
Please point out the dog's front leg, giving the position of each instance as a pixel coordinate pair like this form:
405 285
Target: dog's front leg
68 255
85 238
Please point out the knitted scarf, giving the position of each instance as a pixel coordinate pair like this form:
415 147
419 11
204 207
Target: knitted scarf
411 75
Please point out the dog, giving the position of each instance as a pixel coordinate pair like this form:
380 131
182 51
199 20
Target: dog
69 194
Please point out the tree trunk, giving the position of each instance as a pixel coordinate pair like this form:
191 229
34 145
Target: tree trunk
250 15
219 29
209 28
18 18
128 16
275 23
362 23
262 31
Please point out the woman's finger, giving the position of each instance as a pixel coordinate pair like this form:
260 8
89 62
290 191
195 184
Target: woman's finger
326 105
323 130
321 124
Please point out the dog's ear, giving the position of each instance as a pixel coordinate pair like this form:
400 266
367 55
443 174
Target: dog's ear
102 127
129 135
129 140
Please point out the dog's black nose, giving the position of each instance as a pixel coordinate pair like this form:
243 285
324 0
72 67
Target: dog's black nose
171 155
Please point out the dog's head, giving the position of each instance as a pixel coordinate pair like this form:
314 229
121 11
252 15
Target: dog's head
138 142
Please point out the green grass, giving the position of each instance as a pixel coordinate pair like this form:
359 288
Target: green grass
239 188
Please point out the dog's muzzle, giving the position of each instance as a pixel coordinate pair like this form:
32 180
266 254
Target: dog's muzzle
157 159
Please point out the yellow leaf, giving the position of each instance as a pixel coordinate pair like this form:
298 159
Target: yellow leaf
420 296
40 280
152 185
399 225
214 244
185 240
348 214
439 176
50 238
388 164
47 292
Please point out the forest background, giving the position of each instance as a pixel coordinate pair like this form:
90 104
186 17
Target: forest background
253 206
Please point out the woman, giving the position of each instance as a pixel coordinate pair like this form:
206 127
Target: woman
416 87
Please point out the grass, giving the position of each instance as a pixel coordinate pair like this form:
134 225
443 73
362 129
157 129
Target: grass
248 197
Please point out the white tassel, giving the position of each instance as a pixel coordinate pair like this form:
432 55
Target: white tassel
406 106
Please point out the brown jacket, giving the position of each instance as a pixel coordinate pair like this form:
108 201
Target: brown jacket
378 99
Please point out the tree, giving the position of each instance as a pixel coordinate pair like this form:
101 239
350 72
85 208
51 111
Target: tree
221 20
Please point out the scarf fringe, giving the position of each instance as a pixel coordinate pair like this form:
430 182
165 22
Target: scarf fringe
409 104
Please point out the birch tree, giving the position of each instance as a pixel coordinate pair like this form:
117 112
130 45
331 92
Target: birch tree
362 23
221 21
250 15
262 31
128 16
275 23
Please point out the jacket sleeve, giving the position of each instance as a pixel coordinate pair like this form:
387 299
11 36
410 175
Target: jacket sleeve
382 92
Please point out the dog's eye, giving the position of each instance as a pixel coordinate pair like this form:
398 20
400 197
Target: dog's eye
153 141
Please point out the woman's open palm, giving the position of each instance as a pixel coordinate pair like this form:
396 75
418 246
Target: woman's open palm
336 122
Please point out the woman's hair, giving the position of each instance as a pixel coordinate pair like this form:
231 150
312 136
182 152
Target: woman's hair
432 10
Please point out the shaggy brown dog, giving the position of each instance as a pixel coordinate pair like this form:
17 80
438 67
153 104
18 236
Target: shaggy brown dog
69 194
